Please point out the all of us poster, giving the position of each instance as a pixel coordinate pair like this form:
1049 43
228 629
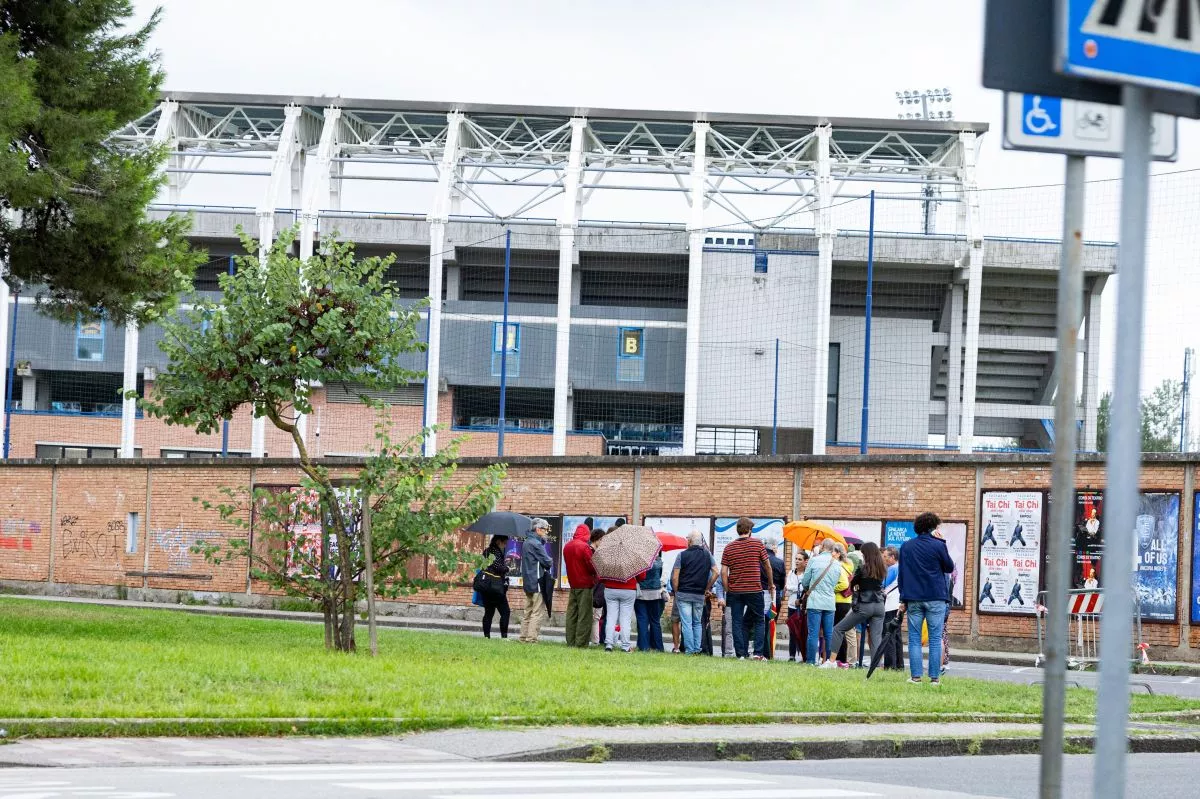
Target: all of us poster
1010 551
1155 556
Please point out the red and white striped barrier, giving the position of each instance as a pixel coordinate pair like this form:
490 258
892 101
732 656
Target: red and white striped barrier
1086 602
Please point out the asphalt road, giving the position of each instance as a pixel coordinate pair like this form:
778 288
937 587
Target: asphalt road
1160 776
458 780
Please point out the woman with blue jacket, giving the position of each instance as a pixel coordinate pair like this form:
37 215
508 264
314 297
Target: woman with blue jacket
649 608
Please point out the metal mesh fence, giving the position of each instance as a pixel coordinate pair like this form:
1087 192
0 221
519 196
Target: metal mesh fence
899 316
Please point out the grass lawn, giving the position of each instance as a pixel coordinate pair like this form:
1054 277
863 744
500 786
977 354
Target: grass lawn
78 661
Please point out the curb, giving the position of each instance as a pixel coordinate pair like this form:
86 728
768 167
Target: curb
716 751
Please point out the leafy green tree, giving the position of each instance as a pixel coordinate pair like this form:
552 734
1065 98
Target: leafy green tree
1161 414
71 74
280 327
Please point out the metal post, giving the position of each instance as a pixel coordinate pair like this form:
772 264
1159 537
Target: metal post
1124 454
864 425
1070 306
1185 398
225 424
369 571
775 405
5 358
11 373
504 343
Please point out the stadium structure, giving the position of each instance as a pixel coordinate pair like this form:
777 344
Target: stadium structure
677 283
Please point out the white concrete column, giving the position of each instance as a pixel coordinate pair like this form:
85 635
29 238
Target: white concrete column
820 310
447 178
312 186
281 169
1091 363
567 221
128 384
974 231
164 135
691 373
28 393
954 366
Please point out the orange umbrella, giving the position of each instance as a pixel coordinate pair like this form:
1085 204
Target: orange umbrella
808 534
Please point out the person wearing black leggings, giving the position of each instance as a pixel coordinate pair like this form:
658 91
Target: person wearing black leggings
495 589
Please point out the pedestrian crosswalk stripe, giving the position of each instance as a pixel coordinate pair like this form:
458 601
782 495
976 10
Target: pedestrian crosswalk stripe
757 793
459 767
498 784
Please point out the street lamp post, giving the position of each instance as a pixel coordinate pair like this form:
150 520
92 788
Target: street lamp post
928 100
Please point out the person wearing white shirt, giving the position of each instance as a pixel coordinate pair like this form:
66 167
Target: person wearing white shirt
893 657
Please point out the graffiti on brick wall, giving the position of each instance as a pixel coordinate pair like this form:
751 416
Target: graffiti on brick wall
18 533
178 543
84 541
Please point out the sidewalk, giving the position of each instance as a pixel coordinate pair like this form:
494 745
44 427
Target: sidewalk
559 744
467 627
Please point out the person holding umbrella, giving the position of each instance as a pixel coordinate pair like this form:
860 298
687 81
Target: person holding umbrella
797 629
493 586
534 562
626 555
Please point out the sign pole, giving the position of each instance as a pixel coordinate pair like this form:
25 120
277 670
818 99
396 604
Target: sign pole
369 571
1124 454
1070 304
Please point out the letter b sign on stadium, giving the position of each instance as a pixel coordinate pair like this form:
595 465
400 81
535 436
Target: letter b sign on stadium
1153 43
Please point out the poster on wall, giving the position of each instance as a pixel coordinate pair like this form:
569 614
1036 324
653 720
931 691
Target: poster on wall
867 530
307 533
569 525
1157 528
1087 539
512 552
725 530
681 526
1010 551
955 535
896 533
1196 558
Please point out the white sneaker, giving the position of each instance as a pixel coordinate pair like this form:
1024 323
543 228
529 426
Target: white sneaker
828 664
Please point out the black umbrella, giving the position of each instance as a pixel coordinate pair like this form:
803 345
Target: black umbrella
502 522
891 631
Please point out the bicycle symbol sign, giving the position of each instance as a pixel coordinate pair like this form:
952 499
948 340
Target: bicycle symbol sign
1041 116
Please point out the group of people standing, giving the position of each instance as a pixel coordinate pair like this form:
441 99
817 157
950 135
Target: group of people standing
836 598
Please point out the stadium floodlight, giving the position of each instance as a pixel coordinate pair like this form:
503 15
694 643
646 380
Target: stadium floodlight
925 98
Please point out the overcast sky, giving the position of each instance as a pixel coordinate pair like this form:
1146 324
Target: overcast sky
806 57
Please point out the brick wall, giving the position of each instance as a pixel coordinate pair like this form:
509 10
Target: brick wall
66 524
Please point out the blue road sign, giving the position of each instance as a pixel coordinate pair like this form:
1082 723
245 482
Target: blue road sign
1041 116
1148 42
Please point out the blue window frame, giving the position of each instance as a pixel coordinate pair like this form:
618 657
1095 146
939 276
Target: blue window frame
631 354
89 340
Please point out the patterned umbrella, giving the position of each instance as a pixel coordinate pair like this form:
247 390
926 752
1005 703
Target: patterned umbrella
626 552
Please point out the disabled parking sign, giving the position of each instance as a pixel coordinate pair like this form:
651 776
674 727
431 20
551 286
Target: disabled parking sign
1047 124
1041 116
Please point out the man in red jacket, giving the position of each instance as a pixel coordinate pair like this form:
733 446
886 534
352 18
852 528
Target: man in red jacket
581 575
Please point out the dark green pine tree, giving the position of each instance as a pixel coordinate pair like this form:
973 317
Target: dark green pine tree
71 73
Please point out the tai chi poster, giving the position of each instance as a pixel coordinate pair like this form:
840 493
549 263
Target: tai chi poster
1010 551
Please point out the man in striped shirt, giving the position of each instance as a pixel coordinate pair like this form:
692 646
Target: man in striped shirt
745 573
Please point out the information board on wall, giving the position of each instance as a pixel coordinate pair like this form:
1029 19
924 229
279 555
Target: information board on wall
1196 558
568 527
681 526
865 529
955 536
1157 543
725 530
1010 551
